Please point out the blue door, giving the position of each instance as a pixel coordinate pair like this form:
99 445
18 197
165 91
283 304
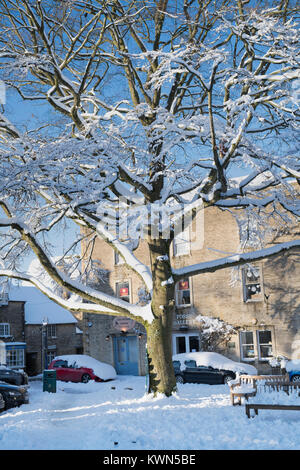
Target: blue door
126 355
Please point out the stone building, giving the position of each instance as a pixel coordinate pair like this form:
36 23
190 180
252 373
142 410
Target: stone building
12 332
34 330
263 305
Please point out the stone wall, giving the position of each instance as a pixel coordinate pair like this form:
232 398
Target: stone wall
213 294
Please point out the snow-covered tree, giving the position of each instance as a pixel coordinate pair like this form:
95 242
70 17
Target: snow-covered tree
151 109
215 333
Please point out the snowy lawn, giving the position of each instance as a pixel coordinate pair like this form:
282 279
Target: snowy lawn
118 415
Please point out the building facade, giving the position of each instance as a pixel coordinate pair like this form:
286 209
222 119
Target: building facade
263 304
33 330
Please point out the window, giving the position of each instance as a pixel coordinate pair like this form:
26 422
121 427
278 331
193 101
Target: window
50 356
256 344
189 342
264 340
181 243
247 345
51 331
15 358
123 291
4 330
183 293
252 283
60 363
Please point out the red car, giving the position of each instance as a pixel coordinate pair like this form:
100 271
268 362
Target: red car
80 368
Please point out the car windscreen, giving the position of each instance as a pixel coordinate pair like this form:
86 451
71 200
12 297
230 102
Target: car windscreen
176 364
60 363
190 363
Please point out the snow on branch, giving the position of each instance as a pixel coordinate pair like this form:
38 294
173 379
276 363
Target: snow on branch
234 260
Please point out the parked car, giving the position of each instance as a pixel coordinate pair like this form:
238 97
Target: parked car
208 367
201 374
292 367
12 395
81 368
294 376
14 377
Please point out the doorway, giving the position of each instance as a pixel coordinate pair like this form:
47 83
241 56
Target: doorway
185 343
126 355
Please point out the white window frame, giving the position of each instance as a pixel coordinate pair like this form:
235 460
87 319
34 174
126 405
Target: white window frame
51 330
5 330
249 283
259 344
187 344
19 355
177 290
51 355
182 240
247 359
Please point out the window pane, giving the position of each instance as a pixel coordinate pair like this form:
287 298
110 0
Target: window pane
183 285
180 345
265 337
247 337
248 351
266 351
123 291
194 343
247 344
15 358
4 329
265 343
183 292
252 283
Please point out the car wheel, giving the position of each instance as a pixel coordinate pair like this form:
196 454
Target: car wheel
179 379
295 378
85 378
227 379
2 403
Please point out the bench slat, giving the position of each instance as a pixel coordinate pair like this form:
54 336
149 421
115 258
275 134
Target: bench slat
260 406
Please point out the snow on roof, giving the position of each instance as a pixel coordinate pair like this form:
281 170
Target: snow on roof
38 306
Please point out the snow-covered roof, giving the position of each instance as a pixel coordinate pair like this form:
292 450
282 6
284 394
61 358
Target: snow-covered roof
38 307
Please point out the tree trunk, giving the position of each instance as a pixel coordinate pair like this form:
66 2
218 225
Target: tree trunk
159 333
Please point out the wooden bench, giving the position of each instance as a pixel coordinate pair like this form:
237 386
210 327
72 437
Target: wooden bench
260 406
287 387
245 386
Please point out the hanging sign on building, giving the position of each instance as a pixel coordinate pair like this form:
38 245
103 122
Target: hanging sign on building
123 323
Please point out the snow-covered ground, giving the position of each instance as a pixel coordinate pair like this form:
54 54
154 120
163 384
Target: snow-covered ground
118 415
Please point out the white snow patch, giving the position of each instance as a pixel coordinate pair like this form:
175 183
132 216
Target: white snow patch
119 415
218 361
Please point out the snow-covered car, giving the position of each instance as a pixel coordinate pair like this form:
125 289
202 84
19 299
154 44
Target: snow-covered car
208 367
293 369
201 374
14 377
81 368
12 395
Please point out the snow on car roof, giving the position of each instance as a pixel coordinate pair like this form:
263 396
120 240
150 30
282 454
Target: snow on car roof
216 360
101 369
